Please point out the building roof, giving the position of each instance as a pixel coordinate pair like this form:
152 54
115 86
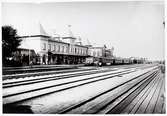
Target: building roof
39 31
69 37
96 47
34 36
80 45
53 40
25 49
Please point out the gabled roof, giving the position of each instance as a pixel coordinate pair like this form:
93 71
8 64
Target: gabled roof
42 31
38 31
33 29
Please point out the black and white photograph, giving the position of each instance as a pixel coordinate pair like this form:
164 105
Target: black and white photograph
83 57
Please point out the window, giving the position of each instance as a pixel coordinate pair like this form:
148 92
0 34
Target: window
58 48
62 48
84 52
67 49
94 53
72 50
44 46
81 51
49 48
98 54
54 47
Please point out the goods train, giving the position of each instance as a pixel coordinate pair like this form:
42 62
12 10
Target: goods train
109 61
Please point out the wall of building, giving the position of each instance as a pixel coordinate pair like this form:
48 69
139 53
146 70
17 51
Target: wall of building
52 51
78 50
100 52
58 47
61 52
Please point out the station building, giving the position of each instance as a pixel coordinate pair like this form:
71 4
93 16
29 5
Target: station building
66 49
55 50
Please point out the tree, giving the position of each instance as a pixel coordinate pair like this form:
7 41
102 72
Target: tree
10 42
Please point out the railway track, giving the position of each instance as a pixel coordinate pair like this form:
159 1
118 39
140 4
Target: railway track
53 72
120 104
38 69
127 82
33 74
41 75
31 79
109 98
44 89
18 82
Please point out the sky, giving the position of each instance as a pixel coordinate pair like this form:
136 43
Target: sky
133 28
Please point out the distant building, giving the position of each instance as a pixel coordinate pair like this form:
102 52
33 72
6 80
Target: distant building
96 51
100 52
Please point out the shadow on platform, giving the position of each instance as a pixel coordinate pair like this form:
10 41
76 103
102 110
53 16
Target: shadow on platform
17 109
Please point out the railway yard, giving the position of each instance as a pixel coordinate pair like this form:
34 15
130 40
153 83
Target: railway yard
119 89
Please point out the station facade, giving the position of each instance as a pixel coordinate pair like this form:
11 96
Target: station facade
55 50
59 50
